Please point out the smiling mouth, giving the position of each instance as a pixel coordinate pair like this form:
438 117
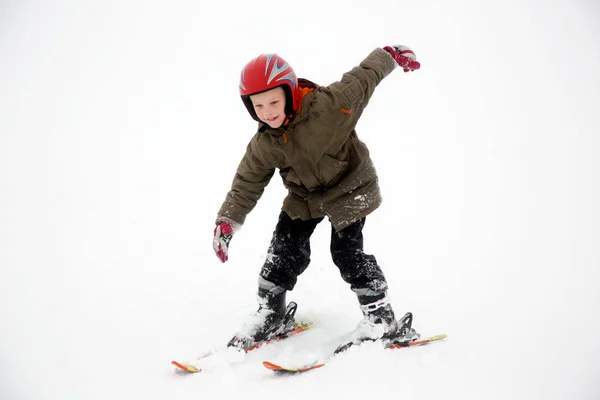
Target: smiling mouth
272 119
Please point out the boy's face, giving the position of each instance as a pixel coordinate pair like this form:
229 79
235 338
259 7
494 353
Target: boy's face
270 106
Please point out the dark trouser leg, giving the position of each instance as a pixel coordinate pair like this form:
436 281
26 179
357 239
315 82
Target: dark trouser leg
358 269
363 274
289 252
288 257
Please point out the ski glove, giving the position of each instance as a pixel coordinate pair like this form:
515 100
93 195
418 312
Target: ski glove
404 57
223 235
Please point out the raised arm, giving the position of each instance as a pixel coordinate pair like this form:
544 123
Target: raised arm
357 85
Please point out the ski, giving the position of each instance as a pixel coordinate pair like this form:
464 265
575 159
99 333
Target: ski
318 364
194 367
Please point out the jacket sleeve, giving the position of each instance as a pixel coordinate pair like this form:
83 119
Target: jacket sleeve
356 87
252 176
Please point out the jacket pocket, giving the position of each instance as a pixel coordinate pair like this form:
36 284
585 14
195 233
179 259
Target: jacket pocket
359 178
352 93
331 170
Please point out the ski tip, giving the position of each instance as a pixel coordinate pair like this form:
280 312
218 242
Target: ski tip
309 367
271 366
185 367
419 342
278 368
427 340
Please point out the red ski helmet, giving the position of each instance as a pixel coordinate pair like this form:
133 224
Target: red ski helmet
266 72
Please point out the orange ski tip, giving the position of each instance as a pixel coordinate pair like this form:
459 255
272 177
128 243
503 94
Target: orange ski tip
187 368
271 366
316 366
428 340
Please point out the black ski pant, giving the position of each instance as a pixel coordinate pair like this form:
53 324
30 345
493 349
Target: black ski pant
289 255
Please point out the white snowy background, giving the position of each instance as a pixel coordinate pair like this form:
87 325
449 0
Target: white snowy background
120 131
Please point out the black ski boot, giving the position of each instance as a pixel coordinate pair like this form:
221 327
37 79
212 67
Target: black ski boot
272 319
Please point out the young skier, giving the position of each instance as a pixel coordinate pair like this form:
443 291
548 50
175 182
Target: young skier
306 131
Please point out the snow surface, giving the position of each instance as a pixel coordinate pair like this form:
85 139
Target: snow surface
120 131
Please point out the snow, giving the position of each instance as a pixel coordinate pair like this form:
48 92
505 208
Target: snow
120 131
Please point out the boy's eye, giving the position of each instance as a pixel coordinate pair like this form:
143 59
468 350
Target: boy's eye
274 102
257 105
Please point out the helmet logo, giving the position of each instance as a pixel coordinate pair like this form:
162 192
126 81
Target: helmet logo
277 69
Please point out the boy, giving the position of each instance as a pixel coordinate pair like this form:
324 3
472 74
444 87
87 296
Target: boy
306 131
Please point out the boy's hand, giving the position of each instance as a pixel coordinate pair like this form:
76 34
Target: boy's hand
404 57
223 235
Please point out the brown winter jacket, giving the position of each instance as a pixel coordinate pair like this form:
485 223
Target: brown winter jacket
325 167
